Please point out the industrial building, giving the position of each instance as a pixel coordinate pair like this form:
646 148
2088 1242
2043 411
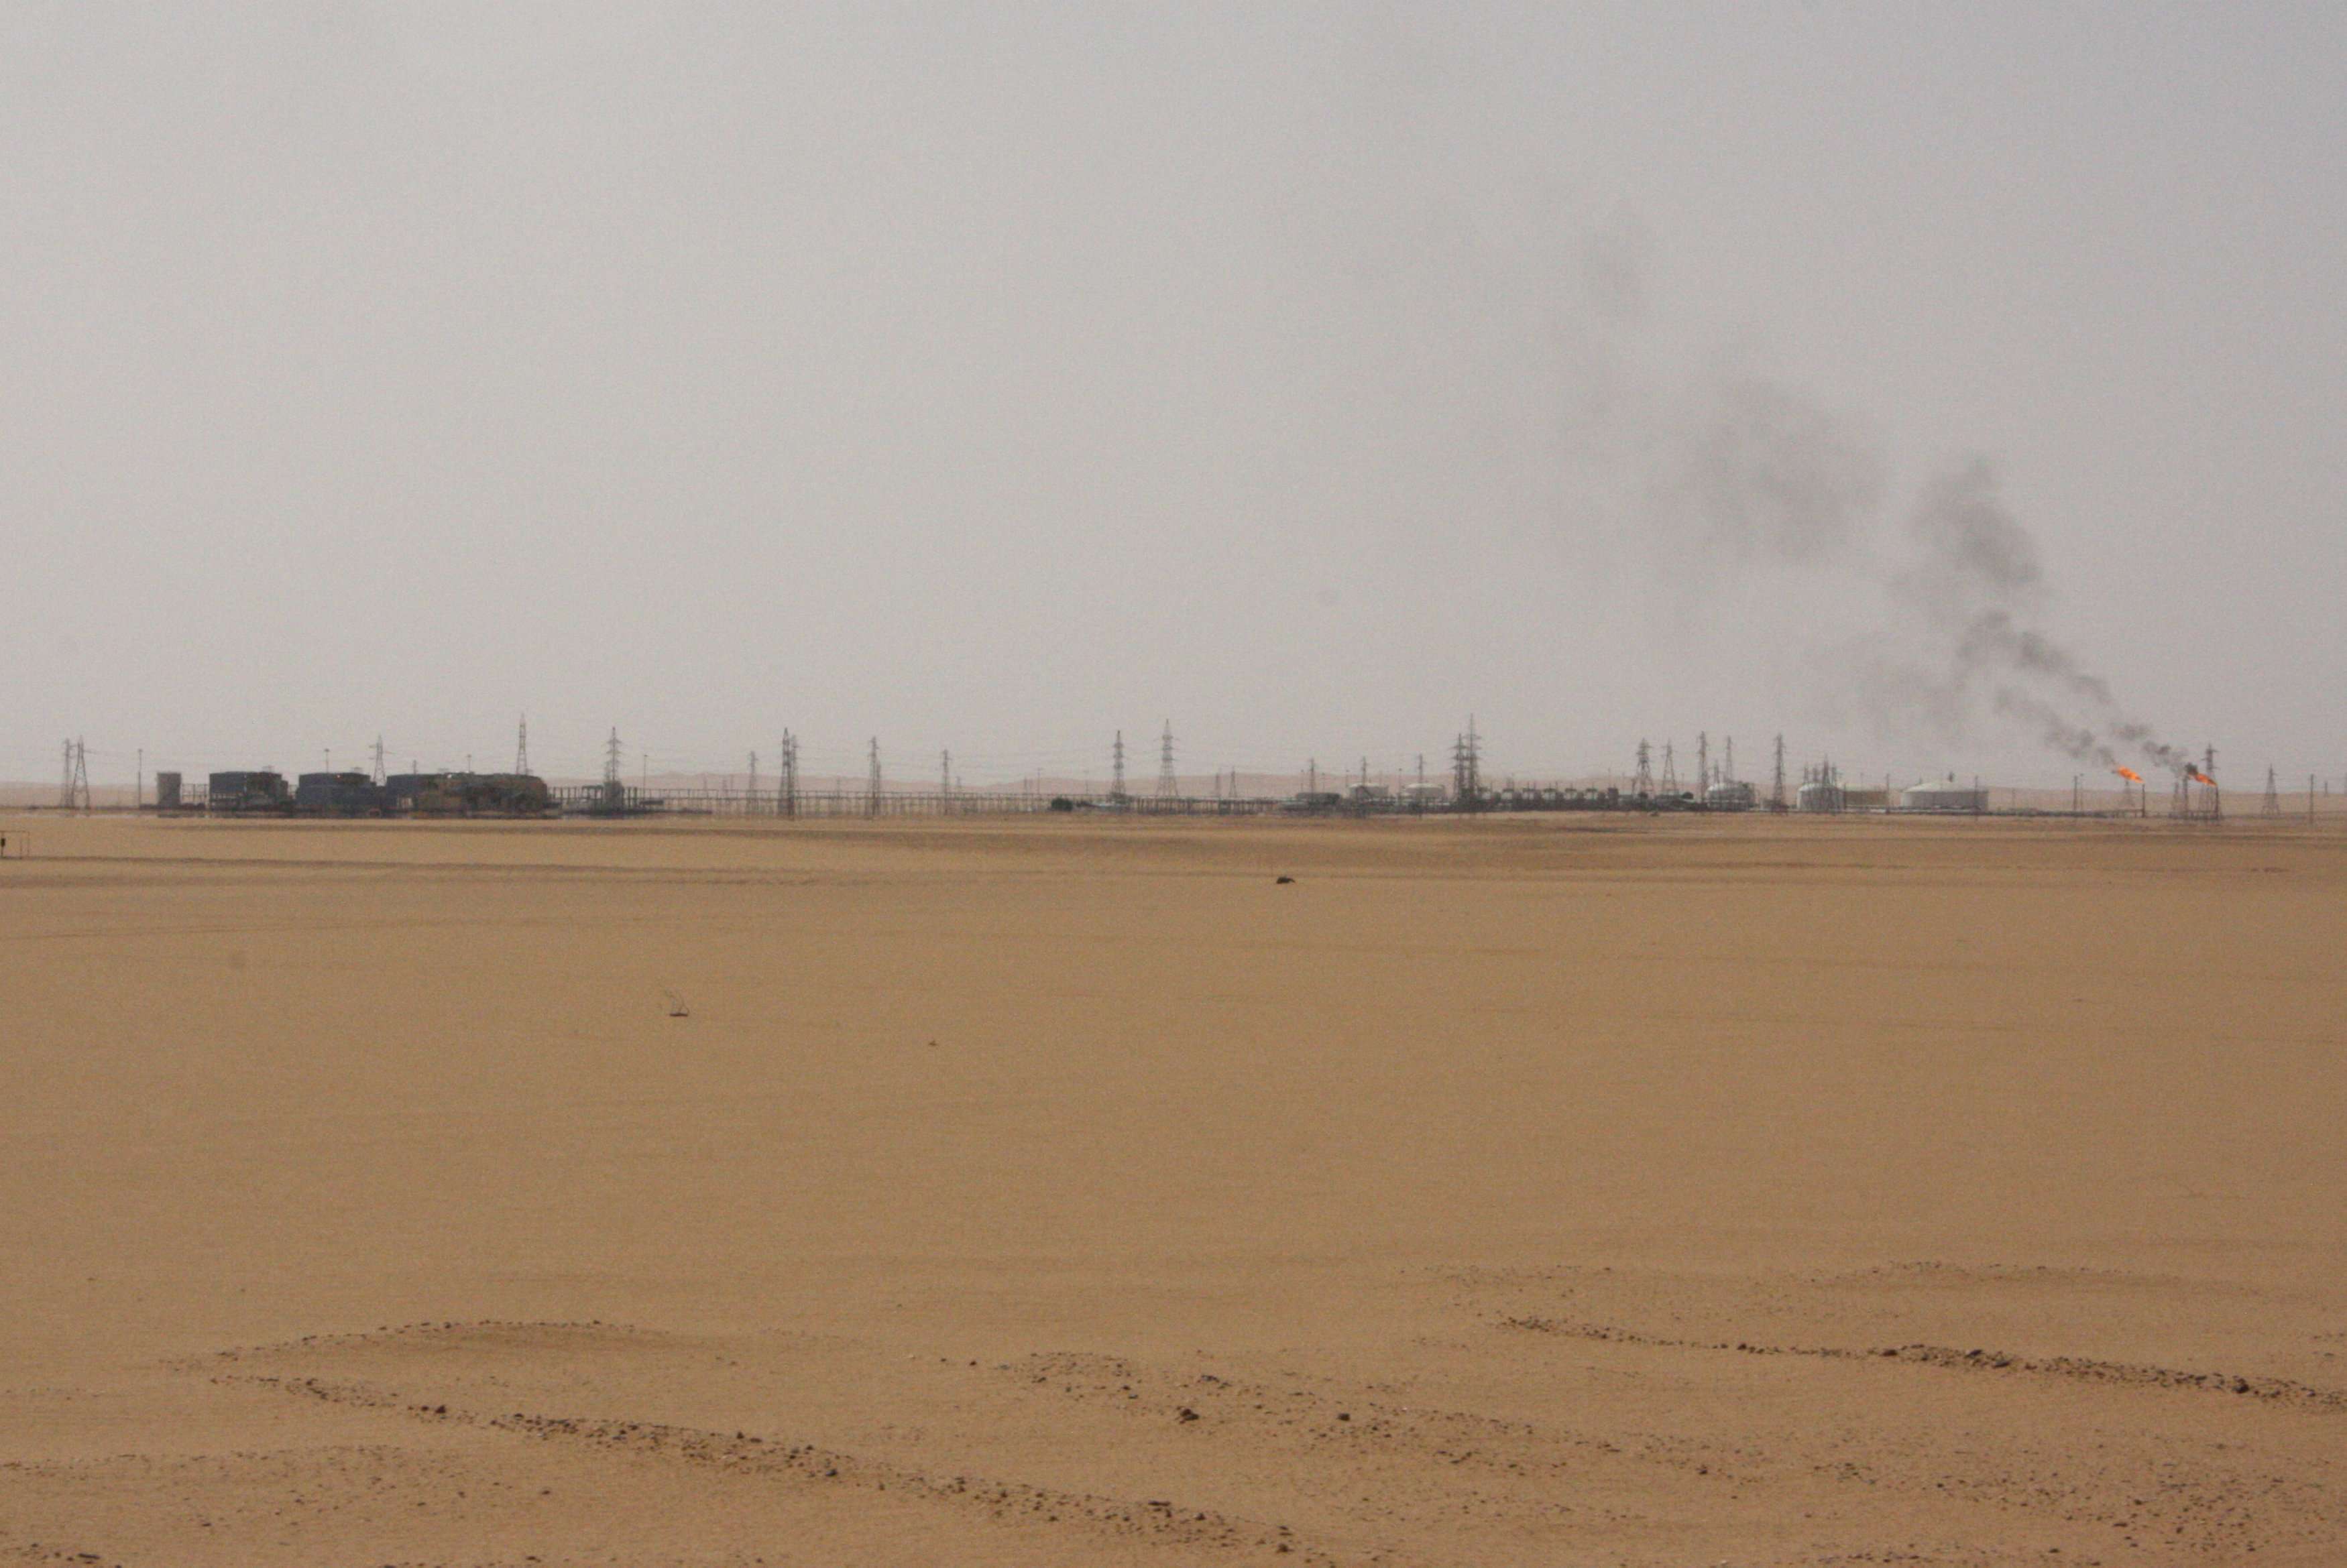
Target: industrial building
264 792
339 794
1943 795
257 790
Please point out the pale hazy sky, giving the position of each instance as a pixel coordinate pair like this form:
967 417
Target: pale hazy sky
993 378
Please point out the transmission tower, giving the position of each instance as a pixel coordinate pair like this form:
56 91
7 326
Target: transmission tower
1702 763
1644 784
1670 770
1166 786
787 798
615 789
945 775
1727 762
1116 775
872 786
2273 798
379 774
1777 795
752 804
521 747
1467 766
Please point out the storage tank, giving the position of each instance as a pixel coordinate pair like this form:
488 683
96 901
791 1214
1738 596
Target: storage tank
1818 795
1731 794
1944 795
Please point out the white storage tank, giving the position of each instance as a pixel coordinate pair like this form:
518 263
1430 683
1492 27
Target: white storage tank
1946 794
1818 795
1731 794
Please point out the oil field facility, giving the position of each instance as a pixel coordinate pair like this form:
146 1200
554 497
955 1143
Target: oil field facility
1715 788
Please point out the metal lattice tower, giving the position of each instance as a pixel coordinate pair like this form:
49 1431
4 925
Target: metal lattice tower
2272 807
1777 795
787 798
1727 762
380 775
1467 766
74 785
1116 775
1167 787
1701 762
873 785
1644 784
752 801
521 747
945 774
2186 775
1670 770
613 759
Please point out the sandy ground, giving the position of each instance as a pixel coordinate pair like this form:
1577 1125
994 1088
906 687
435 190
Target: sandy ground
1546 1192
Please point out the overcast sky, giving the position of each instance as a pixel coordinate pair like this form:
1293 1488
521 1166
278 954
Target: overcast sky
995 378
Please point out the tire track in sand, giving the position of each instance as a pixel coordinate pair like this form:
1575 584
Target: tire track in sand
2076 1368
1159 1521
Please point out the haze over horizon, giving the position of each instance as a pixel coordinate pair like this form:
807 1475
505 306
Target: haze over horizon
994 381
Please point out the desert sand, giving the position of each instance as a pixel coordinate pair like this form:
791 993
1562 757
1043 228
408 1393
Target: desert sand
1559 1191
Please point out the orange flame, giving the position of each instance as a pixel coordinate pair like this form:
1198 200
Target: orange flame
2200 777
2129 774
